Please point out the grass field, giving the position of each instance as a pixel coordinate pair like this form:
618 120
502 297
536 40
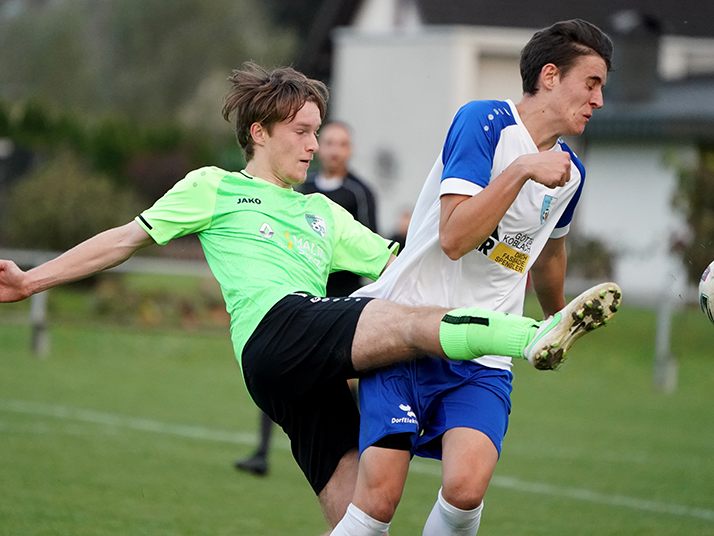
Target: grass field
124 431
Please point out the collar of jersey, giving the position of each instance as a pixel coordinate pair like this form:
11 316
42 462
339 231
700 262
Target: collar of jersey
263 181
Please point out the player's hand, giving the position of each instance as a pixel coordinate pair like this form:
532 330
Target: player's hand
549 168
11 279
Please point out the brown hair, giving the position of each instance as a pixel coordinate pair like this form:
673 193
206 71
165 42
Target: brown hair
561 44
268 97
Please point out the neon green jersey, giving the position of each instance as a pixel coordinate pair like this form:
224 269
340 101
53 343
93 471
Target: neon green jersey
261 241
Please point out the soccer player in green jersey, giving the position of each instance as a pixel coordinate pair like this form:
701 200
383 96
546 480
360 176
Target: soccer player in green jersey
271 250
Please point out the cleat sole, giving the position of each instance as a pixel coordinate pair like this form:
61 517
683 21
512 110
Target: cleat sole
589 311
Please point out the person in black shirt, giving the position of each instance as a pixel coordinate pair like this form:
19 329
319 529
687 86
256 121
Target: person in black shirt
335 180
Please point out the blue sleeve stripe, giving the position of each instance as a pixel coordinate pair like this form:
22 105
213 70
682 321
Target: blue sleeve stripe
567 216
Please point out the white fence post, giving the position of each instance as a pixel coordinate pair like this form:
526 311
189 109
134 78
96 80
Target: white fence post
38 320
665 365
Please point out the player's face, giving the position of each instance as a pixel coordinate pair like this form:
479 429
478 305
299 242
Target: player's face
578 93
335 149
290 146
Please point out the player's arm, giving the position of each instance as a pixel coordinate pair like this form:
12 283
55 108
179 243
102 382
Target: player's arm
102 251
466 221
548 276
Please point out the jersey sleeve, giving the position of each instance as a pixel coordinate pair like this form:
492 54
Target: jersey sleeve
563 226
357 249
185 209
468 149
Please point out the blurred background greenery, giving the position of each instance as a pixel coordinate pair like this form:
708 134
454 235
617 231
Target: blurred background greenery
105 105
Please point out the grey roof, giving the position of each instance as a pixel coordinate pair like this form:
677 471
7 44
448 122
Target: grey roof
691 18
676 110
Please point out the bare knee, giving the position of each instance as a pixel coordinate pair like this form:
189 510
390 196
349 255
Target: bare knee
472 449
464 493
379 501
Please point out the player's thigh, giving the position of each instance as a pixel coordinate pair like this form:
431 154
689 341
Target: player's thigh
468 461
322 427
390 333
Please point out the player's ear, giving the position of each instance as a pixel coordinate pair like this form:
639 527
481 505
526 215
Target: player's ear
257 133
549 76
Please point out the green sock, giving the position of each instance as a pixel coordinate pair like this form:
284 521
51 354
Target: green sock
471 332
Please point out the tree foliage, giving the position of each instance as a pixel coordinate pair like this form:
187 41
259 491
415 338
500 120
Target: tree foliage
62 204
144 58
109 144
696 200
117 96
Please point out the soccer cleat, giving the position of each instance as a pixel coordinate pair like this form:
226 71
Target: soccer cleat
556 334
256 464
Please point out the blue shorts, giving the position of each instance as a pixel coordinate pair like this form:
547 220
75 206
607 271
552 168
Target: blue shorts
428 396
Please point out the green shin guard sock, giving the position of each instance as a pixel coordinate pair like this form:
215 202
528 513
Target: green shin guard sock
468 333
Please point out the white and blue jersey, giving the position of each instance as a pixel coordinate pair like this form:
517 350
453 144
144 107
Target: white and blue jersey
485 137
427 397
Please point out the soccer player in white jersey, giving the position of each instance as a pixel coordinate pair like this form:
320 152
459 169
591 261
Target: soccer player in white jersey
486 218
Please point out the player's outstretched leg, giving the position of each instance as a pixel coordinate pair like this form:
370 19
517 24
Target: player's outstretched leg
471 332
556 334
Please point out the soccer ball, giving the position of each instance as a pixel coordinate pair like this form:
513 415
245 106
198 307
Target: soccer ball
706 292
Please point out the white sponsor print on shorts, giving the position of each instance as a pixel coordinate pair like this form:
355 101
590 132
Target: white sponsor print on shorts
410 417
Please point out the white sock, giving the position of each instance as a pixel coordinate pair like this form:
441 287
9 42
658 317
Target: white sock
356 523
447 520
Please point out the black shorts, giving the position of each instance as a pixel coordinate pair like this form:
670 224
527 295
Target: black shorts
296 365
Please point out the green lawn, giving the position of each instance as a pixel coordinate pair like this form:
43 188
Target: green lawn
130 431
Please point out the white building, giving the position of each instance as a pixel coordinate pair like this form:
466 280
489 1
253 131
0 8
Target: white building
401 68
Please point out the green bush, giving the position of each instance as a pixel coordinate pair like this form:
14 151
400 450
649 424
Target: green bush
63 203
589 258
4 119
170 303
695 199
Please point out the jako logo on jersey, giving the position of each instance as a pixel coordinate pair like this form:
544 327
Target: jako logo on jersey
548 202
266 230
409 419
253 200
317 224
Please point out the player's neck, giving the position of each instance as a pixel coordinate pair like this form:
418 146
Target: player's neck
257 168
539 121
